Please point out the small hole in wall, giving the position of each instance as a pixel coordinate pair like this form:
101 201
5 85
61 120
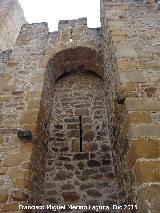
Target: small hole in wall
71 37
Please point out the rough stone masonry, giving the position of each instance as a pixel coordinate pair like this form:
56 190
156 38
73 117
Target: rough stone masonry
109 79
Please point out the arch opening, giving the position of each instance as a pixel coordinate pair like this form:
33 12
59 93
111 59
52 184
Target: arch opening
77 176
73 58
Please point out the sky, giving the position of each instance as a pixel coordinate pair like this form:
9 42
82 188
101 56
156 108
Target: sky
52 11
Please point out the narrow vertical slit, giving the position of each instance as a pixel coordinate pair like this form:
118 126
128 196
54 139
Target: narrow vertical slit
80 130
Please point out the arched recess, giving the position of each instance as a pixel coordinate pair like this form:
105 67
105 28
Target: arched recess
76 79
72 58
54 64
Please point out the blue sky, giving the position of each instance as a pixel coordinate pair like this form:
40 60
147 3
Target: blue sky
52 11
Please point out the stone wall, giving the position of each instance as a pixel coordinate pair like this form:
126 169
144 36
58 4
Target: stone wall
20 96
133 30
11 21
74 177
27 87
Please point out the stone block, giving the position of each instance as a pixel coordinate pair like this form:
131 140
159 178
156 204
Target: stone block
16 172
37 79
19 195
90 147
71 197
25 165
3 196
73 134
67 187
81 156
93 163
116 25
80 112
63 175
94 193
135 117
43 62
133 77
4 99
149 197
34 104
29 117
123 51
16 159
144 131
26 147
3 170
33 95
22 183
1 139
128 87
126 64
147 171
141 104
75 146
142 148
89 136
150 91
11 207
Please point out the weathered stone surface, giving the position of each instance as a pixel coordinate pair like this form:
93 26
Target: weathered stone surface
63 175
70 197
139 104
147 171
88 136
3 196
90 147
16 159
139 117
85 186
3 170
93 163
19 195
15 172
81 156
11 21
145 130
93 193
149 194
67 187
143 148
69 166
10 207
26 147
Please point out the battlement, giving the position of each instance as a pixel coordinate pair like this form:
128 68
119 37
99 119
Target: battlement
69 24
